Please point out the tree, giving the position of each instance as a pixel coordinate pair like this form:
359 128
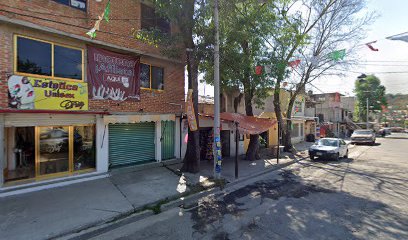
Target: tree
243 25
185 16
341 26
369 88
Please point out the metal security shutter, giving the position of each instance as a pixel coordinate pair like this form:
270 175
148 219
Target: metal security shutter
131 143
168 139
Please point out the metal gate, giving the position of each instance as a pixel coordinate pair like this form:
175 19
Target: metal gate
131 143
168 139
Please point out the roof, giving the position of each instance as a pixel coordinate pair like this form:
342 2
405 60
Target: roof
246 124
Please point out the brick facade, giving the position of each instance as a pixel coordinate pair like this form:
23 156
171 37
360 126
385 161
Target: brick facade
125 15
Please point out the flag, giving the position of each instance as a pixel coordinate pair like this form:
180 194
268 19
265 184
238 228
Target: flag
258 70
107 11
92 33
105 15
337 55
370 46
384 108
268 69
314 60
294 64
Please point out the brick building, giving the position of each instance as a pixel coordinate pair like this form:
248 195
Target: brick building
74 107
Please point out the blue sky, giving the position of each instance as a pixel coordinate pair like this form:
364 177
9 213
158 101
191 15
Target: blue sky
391 57
393 19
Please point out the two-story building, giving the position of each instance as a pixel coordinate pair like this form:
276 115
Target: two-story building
335 112
72 107
298 118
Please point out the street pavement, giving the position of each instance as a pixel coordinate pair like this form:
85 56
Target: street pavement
363 197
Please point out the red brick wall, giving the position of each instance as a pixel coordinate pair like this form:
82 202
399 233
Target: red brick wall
6 66
125 15
151 101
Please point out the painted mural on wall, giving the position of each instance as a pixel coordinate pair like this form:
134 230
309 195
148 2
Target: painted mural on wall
113 76
46 94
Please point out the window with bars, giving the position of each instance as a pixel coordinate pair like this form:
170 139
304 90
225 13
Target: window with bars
151 77
150 20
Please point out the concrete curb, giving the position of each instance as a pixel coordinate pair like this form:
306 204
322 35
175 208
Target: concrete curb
93 229
96 228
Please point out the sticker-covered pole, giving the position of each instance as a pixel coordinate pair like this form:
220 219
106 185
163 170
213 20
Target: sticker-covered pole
217 135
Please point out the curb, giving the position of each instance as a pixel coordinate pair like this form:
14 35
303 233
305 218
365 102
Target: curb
96 228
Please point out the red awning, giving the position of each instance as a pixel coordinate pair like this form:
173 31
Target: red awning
247 124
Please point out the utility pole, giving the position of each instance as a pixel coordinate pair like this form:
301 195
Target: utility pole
217 135
367 114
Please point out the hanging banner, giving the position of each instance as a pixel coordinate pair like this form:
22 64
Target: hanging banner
113 76
192 122
46 94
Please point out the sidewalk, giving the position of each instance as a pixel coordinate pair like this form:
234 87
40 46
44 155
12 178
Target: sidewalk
58 211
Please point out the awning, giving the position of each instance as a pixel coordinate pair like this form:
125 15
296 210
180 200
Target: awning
246 124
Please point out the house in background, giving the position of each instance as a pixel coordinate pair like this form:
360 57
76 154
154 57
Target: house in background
299 119
335 112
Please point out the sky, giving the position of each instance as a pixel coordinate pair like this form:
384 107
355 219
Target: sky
391 57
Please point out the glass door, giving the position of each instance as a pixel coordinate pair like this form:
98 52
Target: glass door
53 150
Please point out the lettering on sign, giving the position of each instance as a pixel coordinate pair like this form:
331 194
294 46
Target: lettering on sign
68 104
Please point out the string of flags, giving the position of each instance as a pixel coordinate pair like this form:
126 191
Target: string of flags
105 15
336 55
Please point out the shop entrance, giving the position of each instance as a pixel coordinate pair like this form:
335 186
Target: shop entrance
35 153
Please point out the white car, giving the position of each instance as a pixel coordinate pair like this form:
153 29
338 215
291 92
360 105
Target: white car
332 148
363 136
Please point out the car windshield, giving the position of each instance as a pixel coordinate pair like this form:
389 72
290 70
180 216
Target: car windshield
362 132
328 142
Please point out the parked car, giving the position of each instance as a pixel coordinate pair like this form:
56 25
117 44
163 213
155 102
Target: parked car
387 131
363 136
329 148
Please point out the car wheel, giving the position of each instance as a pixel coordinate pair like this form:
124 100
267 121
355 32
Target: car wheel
312 157
346 156
337 157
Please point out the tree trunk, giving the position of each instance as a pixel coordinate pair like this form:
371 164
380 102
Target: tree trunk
287 131
252 153
253 147
191 161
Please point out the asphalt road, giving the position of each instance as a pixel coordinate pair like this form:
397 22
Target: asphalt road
363 197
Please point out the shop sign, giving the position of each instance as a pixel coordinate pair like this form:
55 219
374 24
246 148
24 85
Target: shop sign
113 76
192 122
46 94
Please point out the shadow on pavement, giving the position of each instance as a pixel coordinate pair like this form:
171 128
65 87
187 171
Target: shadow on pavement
292 209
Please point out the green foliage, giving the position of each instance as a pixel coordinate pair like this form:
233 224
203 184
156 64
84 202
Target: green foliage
370 87
244 26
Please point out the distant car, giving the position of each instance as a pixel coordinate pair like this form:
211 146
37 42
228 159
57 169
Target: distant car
363 136
387 131
329 148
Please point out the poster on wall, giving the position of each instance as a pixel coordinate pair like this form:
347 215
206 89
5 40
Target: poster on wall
113 76
46 94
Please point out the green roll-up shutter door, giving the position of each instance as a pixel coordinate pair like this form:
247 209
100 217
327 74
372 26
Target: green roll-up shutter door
168 139
131 143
